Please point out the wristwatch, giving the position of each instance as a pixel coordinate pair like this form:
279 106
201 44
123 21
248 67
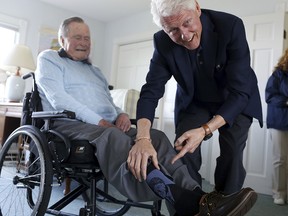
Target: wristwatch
208 132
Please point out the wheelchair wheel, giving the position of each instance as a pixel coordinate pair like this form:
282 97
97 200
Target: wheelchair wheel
105 202
25 173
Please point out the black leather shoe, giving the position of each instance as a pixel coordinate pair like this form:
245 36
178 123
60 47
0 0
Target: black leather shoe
237 204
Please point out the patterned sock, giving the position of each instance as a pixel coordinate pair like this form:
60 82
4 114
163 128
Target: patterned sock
159 183
185 202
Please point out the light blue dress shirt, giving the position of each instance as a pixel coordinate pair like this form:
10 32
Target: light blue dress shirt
65 84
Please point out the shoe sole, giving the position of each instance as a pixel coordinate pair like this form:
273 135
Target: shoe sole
246 204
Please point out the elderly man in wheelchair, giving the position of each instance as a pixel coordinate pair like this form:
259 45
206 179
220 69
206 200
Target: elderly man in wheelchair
94 143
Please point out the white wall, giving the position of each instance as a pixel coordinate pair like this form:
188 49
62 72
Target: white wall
243 7
40 15
139 27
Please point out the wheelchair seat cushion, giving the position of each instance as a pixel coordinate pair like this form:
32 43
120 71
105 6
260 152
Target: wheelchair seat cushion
81 152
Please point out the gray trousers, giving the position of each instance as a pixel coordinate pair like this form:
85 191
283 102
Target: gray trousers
112 148
279 141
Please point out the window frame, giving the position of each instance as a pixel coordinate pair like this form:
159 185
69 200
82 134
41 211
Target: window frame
16 24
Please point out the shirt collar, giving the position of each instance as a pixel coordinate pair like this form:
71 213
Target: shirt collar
62 53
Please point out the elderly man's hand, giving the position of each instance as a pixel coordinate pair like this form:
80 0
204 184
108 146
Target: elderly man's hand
104 123
123 122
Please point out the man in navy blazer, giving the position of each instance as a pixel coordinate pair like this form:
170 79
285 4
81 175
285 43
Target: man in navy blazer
208 55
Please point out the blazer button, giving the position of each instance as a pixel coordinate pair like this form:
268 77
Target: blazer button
218 67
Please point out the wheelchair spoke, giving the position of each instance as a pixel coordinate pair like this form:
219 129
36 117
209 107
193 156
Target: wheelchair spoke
23 177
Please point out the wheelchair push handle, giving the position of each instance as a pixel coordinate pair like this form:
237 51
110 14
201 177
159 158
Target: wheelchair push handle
26 76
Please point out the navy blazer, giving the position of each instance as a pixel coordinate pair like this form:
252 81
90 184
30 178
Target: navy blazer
276 95
226 58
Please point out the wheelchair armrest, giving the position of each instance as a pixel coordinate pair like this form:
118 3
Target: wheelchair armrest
53 114
133 121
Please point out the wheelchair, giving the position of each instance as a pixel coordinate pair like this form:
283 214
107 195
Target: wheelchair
35 161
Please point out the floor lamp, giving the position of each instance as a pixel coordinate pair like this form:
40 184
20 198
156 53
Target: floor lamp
19 57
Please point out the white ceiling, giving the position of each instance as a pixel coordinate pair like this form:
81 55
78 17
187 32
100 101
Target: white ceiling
103 10
110 10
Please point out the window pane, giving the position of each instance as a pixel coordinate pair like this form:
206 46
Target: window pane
8 38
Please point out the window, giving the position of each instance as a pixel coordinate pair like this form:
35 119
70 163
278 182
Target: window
9 37
12 31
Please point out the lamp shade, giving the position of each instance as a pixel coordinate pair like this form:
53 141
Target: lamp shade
19 56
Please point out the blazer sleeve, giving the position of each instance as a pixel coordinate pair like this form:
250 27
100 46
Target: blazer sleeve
154 87
241 81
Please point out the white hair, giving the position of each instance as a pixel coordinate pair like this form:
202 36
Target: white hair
164 8
64 27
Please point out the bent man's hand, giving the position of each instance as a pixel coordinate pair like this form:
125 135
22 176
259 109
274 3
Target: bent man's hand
138 157
191 139
188 142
